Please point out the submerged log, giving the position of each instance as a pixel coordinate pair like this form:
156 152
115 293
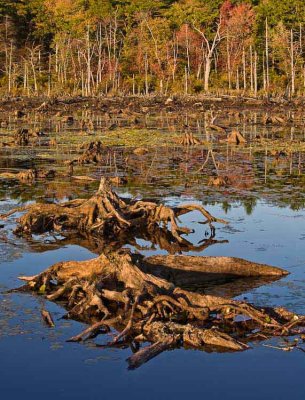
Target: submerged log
148 352
217 128
47 318
114 291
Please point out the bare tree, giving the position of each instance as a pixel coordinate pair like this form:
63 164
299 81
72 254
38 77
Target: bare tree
211 46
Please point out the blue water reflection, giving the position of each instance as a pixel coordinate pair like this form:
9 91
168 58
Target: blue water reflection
36 362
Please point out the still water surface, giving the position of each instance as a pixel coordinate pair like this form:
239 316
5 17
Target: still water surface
265 208
36 362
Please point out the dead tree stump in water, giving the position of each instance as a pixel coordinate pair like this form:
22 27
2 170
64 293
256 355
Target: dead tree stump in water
105 213
112 291
22 137
189 139
115 291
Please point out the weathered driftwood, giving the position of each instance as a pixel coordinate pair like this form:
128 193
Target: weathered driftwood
113 291
205 272
225 276
105 213
221 266
217 128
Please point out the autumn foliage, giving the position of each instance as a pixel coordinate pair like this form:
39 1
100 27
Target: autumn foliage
141 47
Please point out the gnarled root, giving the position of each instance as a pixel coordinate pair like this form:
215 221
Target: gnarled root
113 291
189 140
104 214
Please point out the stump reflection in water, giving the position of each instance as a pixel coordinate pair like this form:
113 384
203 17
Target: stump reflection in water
148 300
116 291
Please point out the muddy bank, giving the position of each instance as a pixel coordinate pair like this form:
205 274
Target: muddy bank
144 105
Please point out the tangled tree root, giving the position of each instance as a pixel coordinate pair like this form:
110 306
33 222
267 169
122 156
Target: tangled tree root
113 292
104 214
189 140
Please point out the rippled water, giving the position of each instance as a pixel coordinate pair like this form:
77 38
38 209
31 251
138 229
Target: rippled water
265 209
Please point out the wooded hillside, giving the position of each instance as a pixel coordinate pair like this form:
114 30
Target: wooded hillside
98 47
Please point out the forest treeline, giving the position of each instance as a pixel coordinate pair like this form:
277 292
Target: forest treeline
115 47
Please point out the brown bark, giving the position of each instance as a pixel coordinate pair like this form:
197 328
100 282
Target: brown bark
105 214
223 266
115 291
189 139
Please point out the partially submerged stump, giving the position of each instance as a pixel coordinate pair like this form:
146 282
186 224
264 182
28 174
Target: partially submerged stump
147 300
140 151
189 139
219 181
235 137
275 120
113 292
92 154
19 114
105 214
87 124
28 175
22 137
68 119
